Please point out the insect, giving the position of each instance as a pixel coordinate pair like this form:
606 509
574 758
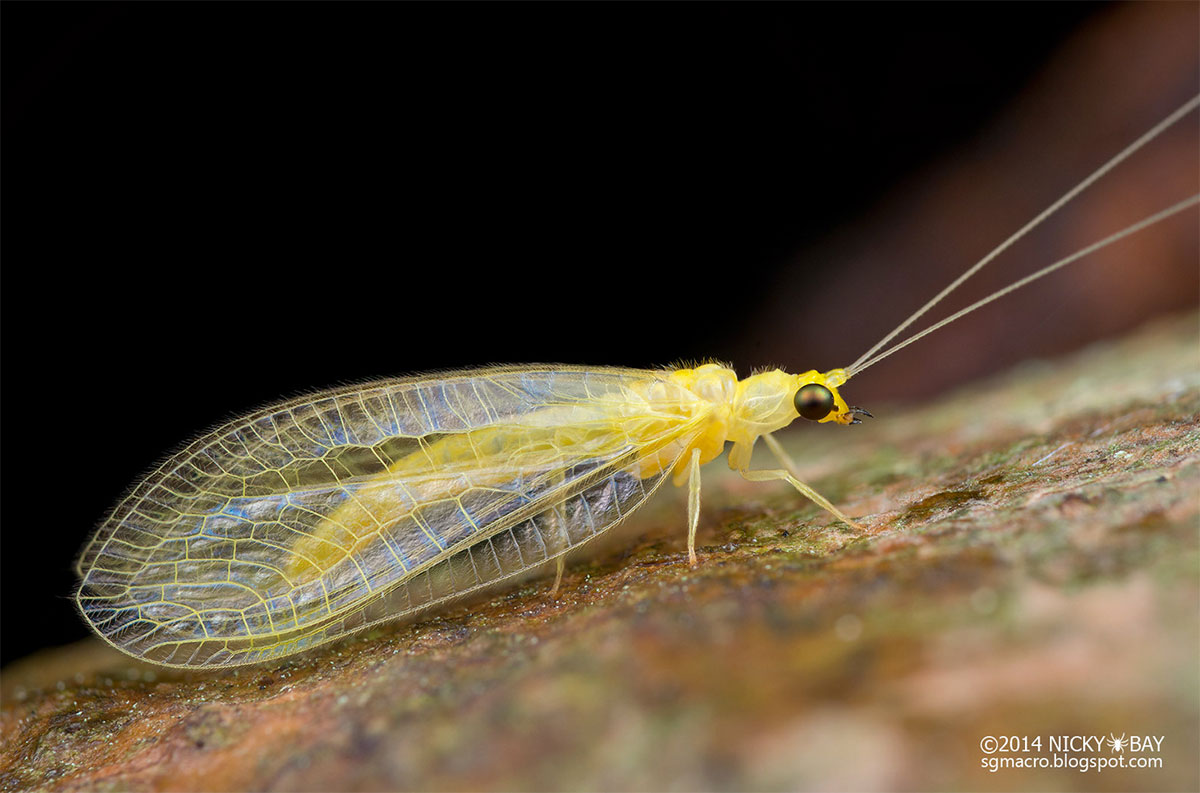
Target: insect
316 517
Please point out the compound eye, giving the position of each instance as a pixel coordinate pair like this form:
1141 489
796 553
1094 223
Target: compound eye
814 402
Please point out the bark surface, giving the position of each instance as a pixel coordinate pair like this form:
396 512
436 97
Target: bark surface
1030 567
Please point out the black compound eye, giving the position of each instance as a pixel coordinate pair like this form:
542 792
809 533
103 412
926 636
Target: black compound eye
814 402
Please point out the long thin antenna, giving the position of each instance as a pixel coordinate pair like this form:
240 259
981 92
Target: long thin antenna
1187 107
1156 217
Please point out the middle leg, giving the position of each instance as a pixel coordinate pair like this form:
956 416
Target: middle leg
693 504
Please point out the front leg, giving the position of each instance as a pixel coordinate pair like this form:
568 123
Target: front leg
789 476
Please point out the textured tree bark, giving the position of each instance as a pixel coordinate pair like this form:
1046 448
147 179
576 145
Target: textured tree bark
1029 567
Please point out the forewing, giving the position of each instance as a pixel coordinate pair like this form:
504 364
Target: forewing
317 516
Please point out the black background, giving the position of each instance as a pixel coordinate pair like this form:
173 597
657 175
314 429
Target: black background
211 206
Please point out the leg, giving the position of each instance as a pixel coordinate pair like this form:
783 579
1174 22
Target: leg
693 504
790 477
783 457
561 562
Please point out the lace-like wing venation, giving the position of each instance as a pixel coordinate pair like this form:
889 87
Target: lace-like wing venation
318 516
505 554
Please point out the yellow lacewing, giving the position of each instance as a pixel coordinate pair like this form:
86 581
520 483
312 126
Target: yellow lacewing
319 516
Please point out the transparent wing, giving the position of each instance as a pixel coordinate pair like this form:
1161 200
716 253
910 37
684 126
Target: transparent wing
324 514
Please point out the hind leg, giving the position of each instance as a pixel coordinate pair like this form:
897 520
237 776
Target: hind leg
561 563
